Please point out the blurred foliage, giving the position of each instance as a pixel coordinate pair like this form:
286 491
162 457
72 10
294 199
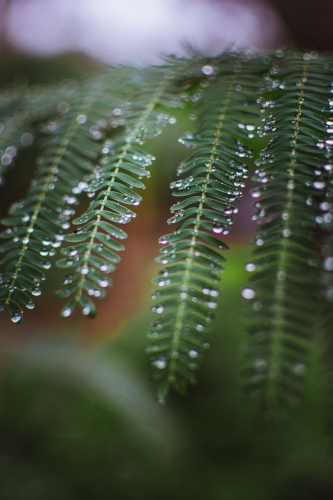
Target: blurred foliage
80 423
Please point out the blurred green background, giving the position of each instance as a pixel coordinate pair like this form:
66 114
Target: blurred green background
78 415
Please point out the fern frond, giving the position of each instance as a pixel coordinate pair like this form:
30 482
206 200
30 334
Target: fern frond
283 288
36 224
21 110
192 255
324 221
95 245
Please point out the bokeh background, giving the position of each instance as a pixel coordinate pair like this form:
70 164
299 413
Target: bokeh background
78 416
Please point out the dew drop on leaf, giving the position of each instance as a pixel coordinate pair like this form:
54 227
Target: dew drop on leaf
211 304
217 228
67 311
298 369
250 267
328 264
319 184
207 70
248 293
260 365
81 119
103 283
160 363
27 139
86 310
17 316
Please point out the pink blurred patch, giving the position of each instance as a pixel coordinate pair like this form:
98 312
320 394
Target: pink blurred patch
137 31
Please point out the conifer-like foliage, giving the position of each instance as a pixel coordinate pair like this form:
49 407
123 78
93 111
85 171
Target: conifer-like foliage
89 138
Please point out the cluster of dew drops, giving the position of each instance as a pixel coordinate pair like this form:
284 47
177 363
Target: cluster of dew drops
319 183
325 219
240 173
7 156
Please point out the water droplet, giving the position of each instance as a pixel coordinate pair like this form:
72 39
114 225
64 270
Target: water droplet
199 327
255 193
248 293
328 264
319 184
66 312
193 353
286 233
250 267
30 304
11 151
211 304
328 167
103 283
325 206
217 228
260 365
17 316
281 275
27 139
84 270
36 291
159 309
160 363
256 305
47 241
86 310
105 268
207 70
298 369
25 218
81 119
6 160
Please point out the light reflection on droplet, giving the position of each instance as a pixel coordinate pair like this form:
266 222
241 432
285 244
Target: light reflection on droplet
248 293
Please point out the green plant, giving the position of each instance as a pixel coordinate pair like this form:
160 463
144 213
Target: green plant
89 139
